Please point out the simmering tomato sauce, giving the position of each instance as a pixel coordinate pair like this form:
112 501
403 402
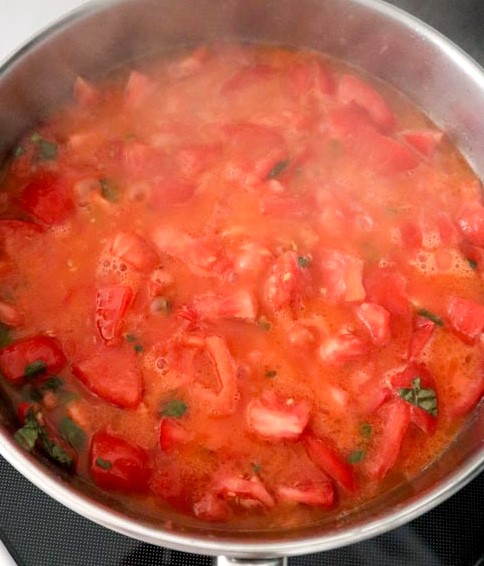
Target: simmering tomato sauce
241 282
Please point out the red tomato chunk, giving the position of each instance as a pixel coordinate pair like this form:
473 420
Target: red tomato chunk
243 283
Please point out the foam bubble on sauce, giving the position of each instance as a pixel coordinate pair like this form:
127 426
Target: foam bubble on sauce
110 265
431 240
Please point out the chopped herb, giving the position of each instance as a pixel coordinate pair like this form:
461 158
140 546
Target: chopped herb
104 464
5 336
472 264
54 449
131 338
174 408
138 348
392 209
355 457
27 436
271 373
51 384
108 190
431 316
303 261
278 169
34 368
366 430
19 151
424 398
74 435
256 468
264 323
33 431
47 149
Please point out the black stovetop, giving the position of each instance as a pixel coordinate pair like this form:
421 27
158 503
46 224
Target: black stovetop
38 531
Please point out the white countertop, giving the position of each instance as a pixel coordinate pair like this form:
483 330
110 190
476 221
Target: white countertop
25 18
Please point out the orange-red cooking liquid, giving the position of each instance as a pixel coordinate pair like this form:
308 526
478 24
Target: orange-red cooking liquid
55 277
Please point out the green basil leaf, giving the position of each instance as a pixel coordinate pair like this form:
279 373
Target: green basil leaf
424 398
174 408
303 261
74 435
109 191
34 368
355 457
104 464
5 335
26 437
278 169
366 430
431 316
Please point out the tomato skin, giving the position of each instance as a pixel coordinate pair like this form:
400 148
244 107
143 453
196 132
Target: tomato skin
10 315
469 393
85 93
112 302
382 456
353 90
377 320
211 508
276 419
241 305
471 223
246 491
113 375
329 461
17 356
138 89
46 197
466 318
423 330
130 469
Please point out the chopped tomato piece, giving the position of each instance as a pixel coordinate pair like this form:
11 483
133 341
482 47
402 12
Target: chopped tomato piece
471 223
211 508
113 375
27 357
351 89
282 286
47 197
345 347
342 276
169 482
247 77
198 256
424 141
382 456
112 302
386 155
138 89
10 315
318 494
466 318
274 418
283 206
17 232
133 249
194 160
423 330
404 380
377 321
349 122
240 304
468 392
255 149
246 492
329 461
143 161
172 434
116 464
222 401
387 288
85 93
325 80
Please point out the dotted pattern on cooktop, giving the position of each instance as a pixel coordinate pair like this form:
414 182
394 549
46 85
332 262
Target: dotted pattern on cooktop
40 532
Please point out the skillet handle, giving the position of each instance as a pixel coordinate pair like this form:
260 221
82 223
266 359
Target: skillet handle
228 561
